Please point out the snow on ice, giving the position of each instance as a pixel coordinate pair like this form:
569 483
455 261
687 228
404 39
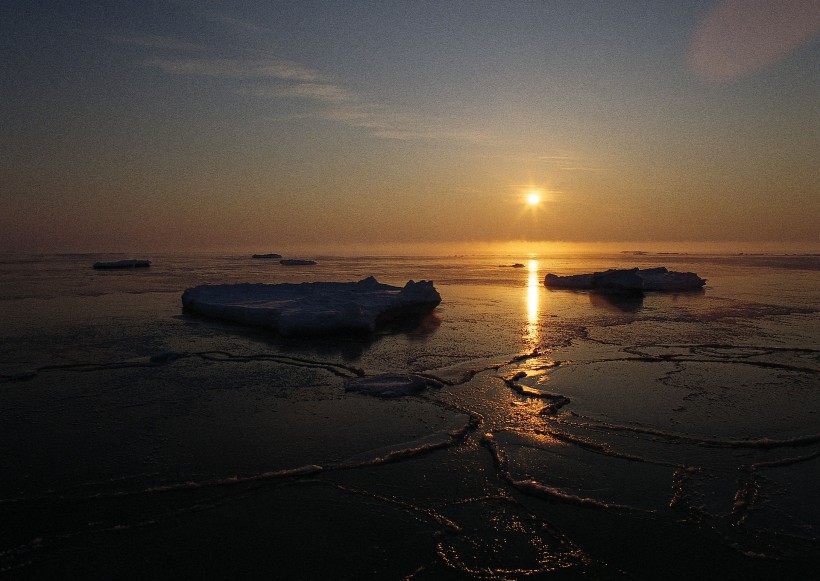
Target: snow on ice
312 307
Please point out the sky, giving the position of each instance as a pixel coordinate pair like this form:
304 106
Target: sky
148 126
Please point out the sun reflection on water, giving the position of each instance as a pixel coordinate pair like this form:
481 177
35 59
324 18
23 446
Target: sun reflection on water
531 335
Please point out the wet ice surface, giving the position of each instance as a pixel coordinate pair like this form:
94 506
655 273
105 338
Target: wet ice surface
557 435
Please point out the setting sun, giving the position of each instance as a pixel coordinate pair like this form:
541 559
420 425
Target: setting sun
533 198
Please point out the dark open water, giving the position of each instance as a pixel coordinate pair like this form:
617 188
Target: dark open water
576 437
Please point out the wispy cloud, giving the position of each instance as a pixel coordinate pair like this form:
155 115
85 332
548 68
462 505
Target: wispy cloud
556 158
385 123
265 68
331 101
270 77
316 91
366 116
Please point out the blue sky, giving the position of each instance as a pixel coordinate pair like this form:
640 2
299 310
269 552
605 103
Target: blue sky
168 125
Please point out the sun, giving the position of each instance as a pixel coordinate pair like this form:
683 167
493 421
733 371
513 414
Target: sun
533 198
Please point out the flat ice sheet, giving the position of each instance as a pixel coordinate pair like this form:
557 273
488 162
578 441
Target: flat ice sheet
315 307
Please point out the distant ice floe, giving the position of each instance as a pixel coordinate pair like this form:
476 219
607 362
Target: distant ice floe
312 307
269 255
122 264
633 280
392 385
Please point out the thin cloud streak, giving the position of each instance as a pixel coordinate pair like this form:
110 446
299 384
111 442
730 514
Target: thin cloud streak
557 158
315 91
291 80
351 110
366 117
270 68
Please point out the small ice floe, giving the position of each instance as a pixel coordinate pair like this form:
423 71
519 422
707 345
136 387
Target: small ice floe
633 280
312 307
296 262
123 264
392 385
269 255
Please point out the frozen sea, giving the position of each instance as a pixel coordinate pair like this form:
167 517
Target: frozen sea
563 434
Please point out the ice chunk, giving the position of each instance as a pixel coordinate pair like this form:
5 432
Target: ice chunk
618 281
660 279
392 385
312 307
123 264
269 255
633 280
574 281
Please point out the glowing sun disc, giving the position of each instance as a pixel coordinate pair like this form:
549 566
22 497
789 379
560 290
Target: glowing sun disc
533 199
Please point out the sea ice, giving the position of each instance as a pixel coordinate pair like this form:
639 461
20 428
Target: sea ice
269 255
633 280
392 385
312 307
123 264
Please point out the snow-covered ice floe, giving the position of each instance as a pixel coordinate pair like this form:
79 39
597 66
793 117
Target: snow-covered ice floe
633 280
392 385
312 307
123 264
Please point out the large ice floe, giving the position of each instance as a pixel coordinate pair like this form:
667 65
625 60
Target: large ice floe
632 280
312 307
